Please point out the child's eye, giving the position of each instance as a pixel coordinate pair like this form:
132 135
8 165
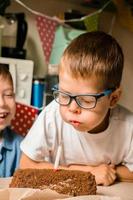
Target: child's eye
64 96
10 95
87 99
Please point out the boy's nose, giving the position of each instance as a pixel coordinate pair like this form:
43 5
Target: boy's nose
74 107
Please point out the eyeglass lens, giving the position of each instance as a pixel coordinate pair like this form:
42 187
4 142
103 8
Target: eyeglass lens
83 101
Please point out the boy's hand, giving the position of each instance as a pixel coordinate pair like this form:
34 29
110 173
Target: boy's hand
104 174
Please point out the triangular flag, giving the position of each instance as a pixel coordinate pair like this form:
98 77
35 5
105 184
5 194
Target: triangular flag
46 28
91 21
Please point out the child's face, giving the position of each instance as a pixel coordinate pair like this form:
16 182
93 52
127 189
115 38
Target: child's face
92 120
7 102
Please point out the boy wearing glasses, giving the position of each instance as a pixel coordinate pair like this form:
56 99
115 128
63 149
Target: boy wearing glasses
9 140
94 133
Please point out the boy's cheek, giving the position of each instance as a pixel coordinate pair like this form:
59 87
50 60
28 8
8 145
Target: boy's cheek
63 112
13 109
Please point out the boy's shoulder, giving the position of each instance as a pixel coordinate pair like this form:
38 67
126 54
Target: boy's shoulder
51 113
9 134
122 113
11 139
52 108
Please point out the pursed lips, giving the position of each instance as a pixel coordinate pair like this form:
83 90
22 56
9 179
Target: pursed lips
75 123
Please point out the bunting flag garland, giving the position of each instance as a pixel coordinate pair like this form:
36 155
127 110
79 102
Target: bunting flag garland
46 28
89 22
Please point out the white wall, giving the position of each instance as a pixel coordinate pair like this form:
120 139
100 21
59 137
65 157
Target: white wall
54 7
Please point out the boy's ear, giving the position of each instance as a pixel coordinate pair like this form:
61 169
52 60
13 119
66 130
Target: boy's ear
114 97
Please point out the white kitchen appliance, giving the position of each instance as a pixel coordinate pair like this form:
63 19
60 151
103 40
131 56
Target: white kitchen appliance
22 73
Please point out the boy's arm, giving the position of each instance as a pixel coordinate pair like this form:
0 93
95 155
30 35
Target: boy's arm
123 174
104 174
26 162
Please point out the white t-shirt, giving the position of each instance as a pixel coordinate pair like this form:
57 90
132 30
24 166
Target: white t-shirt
114 145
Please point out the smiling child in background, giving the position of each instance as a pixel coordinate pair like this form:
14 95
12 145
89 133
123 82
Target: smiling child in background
9 140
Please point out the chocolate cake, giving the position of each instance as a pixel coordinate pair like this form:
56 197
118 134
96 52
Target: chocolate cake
73 183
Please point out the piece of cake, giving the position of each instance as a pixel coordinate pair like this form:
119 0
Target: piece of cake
69 182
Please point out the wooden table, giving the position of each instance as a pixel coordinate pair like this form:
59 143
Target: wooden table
122 190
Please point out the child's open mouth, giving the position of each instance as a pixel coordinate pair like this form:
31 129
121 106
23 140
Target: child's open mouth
3 115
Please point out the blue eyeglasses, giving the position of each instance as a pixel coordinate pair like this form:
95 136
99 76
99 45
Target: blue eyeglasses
86 101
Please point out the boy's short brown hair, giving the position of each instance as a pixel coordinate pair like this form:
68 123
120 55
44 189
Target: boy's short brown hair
5 73
94 53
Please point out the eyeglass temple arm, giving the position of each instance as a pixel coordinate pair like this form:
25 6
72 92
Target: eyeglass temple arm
105 93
